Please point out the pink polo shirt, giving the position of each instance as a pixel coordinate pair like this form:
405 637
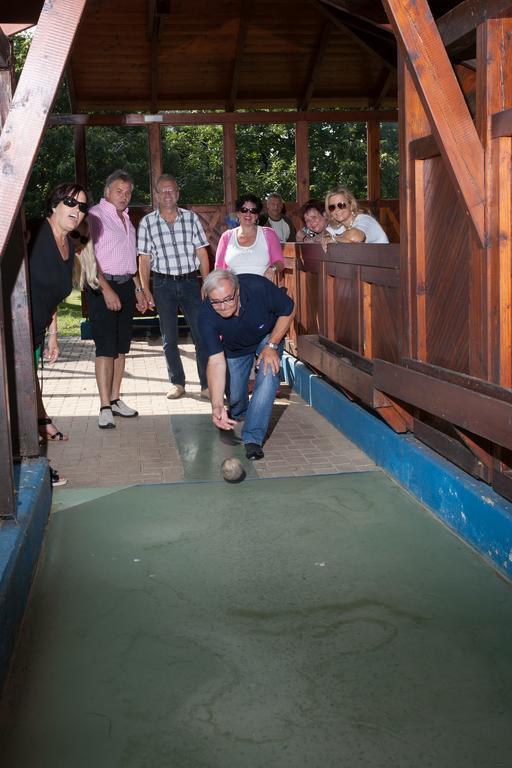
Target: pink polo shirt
114 239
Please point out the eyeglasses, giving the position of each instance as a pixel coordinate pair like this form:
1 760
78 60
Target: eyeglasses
333 207
71 202
167 191
227 300
243 209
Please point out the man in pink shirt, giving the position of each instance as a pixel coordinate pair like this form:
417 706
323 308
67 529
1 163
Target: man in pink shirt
111 307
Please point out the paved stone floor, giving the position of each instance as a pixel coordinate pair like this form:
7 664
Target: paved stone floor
144 450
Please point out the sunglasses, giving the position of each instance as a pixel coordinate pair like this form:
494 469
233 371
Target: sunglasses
243 209
333 207
71 202
227 300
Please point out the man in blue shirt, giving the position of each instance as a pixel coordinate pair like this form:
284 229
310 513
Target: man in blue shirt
242 317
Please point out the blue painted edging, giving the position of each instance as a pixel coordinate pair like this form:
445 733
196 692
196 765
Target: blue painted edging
470 508
20 545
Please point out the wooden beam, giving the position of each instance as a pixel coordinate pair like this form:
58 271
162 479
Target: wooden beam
153 33
155 158
239 53
361 37
8 509
19 347
479 414
501 124
382 88
37 86
493 267
230 181
422 149
5 51
80 155
373 161
302 161
314 70
443 101
226 118
465 17
13 29
367 11
413 127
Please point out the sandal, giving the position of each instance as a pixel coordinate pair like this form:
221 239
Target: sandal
57 435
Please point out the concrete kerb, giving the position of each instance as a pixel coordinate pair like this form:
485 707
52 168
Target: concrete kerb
20 546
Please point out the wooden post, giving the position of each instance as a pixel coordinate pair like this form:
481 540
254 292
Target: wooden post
230 181
413 125
155 157
302 161
80 155
37 86
18 340
8 509
443 102
491 267
373 161
19 346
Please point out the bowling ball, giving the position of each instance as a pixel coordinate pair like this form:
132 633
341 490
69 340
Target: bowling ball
233 471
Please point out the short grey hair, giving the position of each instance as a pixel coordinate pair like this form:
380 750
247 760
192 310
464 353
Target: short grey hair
166 177
276 195
118 175
212 282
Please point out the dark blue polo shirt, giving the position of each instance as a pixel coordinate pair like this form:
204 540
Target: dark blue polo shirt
261 303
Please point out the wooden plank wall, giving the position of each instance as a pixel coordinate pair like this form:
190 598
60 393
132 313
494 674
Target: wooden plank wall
423 333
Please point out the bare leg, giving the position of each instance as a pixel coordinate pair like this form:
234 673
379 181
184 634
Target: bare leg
117 378
47 431
104 379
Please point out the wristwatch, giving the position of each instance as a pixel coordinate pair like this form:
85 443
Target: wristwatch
272 345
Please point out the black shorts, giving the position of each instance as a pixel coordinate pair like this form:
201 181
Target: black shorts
112 331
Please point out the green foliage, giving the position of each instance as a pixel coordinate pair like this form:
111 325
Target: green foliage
194 154
110 148
54 165
266 159
338 157
389 161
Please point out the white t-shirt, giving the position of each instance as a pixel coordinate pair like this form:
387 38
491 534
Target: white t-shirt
247 259
280 227
367 224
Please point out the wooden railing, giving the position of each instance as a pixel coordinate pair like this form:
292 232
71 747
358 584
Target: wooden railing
349 327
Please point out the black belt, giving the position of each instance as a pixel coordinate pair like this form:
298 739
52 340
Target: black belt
189 276
117 278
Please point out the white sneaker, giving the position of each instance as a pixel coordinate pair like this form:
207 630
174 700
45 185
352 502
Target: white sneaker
176 391
106 418
121 409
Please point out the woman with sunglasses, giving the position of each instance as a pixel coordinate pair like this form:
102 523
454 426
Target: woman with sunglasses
51 260
249 248
347 222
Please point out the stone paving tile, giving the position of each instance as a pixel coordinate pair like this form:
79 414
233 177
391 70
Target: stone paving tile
143 450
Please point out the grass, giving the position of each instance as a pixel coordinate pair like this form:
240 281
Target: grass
69 315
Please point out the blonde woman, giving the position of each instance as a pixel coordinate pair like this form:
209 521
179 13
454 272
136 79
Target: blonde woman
348 223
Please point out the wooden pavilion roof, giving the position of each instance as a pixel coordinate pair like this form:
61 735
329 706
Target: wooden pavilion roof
151 55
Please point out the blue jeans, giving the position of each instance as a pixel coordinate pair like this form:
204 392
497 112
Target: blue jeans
258 409
169 296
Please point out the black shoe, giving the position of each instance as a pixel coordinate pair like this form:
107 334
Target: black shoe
254 451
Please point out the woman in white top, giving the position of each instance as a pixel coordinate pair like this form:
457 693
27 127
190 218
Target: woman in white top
250 248
347 222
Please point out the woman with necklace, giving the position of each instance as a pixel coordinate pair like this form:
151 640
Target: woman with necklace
348 223
250 248
51 260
